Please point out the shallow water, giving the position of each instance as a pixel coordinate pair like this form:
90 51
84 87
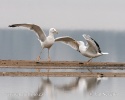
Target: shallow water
23 45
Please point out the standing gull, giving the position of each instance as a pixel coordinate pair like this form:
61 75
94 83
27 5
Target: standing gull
45 41
91 49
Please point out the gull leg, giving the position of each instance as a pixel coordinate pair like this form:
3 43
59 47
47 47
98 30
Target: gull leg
38 58
89 60
49 59
90 70
48 72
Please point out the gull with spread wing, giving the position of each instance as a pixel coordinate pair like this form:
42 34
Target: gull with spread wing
45 41
91 49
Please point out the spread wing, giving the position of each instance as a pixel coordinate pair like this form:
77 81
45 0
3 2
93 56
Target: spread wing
40 33
68 41
93 46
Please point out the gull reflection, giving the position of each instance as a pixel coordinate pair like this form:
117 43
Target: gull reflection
80 84
69 87
45 88
92 83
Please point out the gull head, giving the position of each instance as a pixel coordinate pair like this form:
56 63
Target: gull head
53 30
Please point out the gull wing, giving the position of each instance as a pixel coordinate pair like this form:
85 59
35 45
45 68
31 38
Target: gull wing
69 87
40 33
93 46
68 41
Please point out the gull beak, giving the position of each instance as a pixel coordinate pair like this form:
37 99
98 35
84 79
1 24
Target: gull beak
56 32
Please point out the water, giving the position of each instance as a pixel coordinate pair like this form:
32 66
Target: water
23 45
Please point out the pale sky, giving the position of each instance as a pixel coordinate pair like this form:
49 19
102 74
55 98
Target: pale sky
65 14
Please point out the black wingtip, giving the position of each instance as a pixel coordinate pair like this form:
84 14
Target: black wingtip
11 26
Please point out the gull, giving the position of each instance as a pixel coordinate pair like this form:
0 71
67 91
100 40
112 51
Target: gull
89 49
45 41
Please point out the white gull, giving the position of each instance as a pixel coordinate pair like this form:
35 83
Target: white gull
89 49
45 41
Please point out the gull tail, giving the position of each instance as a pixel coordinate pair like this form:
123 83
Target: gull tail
105 53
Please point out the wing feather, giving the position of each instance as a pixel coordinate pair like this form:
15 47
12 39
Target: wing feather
92 44
68 41
40 33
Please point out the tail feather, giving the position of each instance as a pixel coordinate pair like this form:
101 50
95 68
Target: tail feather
105 53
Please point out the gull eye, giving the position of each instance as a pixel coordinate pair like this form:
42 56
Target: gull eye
53 29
